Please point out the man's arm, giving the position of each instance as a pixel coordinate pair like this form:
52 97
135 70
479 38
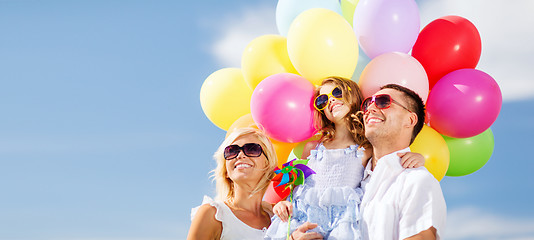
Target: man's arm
423 208
429 234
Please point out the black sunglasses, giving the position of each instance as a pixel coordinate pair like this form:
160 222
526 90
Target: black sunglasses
249 149
381 101
321 101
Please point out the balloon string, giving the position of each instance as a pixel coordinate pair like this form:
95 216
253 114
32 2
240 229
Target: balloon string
289 219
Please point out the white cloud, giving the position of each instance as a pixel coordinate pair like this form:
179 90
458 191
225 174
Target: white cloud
505 28
237 30
474 223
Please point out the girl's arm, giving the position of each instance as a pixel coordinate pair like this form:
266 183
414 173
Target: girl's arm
204 224
283 210
411 159
308 147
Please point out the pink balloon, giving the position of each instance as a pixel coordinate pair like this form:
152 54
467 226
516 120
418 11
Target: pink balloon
281 105
395 67
464 103
383 26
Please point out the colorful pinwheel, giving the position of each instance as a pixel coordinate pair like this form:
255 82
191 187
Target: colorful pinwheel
292 173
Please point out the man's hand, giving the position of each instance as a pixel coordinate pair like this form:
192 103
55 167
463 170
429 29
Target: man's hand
429 234
301 234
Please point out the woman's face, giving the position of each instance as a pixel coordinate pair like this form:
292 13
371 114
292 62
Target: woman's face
336 109
244 168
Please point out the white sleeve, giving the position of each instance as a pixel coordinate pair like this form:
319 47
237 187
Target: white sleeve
421 205
207 200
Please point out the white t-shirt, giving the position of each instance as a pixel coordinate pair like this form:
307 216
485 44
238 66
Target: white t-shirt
232 227
400 202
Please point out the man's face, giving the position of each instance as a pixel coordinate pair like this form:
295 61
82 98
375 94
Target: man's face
387 123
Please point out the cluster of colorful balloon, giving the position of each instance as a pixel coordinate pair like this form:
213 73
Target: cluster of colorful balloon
273 90
463 102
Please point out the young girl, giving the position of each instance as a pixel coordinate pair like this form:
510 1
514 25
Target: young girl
331 197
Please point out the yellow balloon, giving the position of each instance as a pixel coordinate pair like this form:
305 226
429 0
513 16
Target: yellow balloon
263 57
224 97
433 147
321 43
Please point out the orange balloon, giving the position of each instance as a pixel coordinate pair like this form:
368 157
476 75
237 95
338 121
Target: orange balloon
242 122
283 149
433 147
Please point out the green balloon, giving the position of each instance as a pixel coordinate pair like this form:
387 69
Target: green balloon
467 155
296 153
347 9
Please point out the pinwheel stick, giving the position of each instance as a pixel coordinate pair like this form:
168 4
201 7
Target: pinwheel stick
289 219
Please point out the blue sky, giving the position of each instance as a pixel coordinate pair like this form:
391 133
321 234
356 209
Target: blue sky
102 136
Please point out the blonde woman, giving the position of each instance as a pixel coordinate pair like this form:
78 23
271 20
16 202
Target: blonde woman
245 163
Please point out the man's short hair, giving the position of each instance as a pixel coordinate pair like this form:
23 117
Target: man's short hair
415 104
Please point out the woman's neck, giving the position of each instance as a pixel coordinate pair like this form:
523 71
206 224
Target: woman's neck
243 200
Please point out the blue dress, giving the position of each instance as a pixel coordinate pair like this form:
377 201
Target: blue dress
331 197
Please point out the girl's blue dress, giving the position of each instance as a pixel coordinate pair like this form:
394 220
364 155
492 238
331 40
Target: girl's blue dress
331 197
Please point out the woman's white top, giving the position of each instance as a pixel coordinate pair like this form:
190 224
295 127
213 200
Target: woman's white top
400 202
232 227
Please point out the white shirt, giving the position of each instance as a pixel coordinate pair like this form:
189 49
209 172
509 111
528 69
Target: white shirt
398 202
232 227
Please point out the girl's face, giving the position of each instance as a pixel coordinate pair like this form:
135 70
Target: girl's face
244 168
336 109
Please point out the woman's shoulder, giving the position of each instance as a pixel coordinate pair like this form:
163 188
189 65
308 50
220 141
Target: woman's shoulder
209 209
205 223
206 210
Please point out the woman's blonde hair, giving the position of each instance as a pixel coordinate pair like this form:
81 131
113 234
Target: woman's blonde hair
353 97
224 185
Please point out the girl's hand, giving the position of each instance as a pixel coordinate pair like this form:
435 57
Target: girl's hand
283 209
411 160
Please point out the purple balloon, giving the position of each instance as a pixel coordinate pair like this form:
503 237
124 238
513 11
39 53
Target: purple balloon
281 105
383 26
464 103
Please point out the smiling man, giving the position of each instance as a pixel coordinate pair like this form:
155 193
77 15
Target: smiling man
398 203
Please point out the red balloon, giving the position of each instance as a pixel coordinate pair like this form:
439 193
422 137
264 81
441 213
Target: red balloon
446 44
